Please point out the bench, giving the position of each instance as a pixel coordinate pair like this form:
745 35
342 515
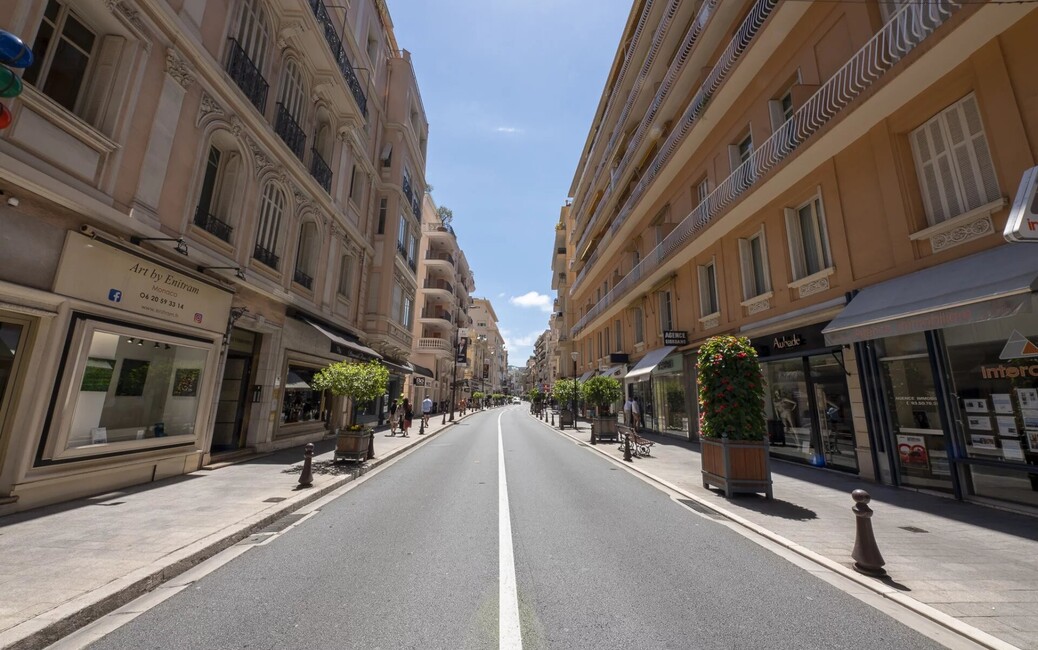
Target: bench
639 446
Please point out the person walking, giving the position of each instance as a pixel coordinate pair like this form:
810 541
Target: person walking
392 419
629 411
407 417
636 412
426 411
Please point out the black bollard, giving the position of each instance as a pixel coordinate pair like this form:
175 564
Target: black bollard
594 440
627 449
421 426
443 420
867 558
553 418
306 477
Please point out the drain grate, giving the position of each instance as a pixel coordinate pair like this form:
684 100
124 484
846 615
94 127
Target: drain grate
700 508
913 529
281 524
274 500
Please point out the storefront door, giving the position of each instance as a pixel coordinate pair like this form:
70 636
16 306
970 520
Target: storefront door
231 409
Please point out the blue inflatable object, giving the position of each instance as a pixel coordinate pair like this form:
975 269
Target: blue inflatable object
13 51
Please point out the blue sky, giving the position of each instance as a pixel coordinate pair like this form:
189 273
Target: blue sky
509 88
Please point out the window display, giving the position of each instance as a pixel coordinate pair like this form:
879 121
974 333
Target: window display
670 395
133 388
11 335
302 403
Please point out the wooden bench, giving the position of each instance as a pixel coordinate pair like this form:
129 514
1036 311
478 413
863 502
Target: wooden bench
639 446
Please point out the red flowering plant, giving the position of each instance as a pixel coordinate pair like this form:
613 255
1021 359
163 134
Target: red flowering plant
731 390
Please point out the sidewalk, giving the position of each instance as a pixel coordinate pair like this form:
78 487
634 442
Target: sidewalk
64 565
976 566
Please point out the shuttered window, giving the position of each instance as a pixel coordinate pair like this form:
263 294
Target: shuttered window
953 161
293 91
708 305
253 33
272 207
753 255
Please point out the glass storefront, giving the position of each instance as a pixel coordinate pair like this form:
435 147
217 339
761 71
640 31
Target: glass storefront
11 335
302 403
669 387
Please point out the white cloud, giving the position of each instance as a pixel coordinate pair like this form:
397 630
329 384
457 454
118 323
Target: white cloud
519 347
510 130
533 299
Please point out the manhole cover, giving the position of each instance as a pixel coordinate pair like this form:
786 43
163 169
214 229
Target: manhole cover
913 529
700 508
274 500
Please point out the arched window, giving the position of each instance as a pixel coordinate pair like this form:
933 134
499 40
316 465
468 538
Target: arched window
220 186
291 104
248 54
321 154
306 255
272 207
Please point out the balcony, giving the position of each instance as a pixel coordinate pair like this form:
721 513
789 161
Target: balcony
439 257
289 131
439 284
247 76
401 249
302 278
438 228
437 314
905 31
436 346
212 225
320 170
266 257
412 264
339 52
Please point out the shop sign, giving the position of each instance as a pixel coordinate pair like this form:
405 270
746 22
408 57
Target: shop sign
1022 225
618 357
1018 347
675 337
805 338
418 381
94 271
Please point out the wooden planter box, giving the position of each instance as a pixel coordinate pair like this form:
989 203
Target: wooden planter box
604 428
736 466
566 418
352 445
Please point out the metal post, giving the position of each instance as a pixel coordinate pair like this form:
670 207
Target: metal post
627 449
306 477
866 555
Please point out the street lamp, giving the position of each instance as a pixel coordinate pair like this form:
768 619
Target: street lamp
573 396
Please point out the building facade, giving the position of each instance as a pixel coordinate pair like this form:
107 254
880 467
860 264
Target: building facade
831 180
197 197
487 356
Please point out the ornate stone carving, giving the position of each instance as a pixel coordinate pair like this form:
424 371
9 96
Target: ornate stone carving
236 126
967 232
261 159
287 32
758 306
711 322
131 15
815 286
177 68
207 106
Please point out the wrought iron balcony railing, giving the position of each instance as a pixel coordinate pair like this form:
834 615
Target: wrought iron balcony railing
339 52
267 257
441 314
320 170
401 249
442 257
302 278
247 76
439 284
905 31
212 225
289 131
412 264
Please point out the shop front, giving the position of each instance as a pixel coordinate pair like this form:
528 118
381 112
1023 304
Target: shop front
951 374
659 382
124 385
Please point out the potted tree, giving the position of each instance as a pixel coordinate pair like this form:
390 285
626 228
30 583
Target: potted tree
601 392
536 397
565 392
359 382
731 416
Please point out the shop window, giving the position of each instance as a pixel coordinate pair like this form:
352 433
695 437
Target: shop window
272 208
131 390
11 336
220 182
753 255
302 403
953 162
708 304
808 239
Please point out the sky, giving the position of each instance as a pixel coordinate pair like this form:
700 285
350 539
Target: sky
510 88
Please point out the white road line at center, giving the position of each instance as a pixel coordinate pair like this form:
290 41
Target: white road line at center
509 631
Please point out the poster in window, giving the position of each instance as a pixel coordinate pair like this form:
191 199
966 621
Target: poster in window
1011 449
979 422
984 442
1003 403
1028 397
975 405
912 452
1032 439
1007 425
1030 419
97 376
132 376
185 382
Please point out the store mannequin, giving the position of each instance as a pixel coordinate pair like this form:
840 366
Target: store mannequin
786 409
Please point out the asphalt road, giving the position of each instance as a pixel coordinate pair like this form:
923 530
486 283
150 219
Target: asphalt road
410 559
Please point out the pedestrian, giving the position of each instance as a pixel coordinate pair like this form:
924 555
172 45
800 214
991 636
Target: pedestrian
636 411
392 418
461 407
426 410
408 415
628 411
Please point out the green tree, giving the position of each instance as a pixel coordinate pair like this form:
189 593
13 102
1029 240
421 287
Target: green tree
731 390
360 382
601 392
565 392
445 214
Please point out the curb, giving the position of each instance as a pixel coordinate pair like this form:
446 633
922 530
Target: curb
946 621
66 618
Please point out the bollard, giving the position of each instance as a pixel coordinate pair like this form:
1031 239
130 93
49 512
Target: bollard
594 440
553 418
306 477
421 426
867 558
443 420
627 449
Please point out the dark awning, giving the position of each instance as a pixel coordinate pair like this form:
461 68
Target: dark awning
992 284
402 368
344 342
422 370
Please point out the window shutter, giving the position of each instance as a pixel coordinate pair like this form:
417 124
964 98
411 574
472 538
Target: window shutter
796 244
98 86
746 260
777 116
227 186
973 161
734 160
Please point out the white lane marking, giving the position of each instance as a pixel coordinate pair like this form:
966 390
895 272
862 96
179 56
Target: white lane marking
509 631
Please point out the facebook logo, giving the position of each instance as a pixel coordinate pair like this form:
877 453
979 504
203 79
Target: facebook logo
115 295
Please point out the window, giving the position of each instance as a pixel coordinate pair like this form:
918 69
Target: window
382 205
272 207
290 109
953 161
408 312
302 403
708 305
401 236
738 154
346 276
306 254
354 190
619 334
639 333
247 53
61 56
666 315
223 169
808 240
753 254
702 191
412 250
600 350
781 109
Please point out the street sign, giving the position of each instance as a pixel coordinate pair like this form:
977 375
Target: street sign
675 337
1022 225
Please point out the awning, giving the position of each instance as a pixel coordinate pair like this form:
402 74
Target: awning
403 368
615 371
585 376
641 370
295 381
993 284
335 338
422 370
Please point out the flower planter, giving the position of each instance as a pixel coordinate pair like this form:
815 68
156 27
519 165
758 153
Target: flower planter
736 466
566 418
604 428
352 445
